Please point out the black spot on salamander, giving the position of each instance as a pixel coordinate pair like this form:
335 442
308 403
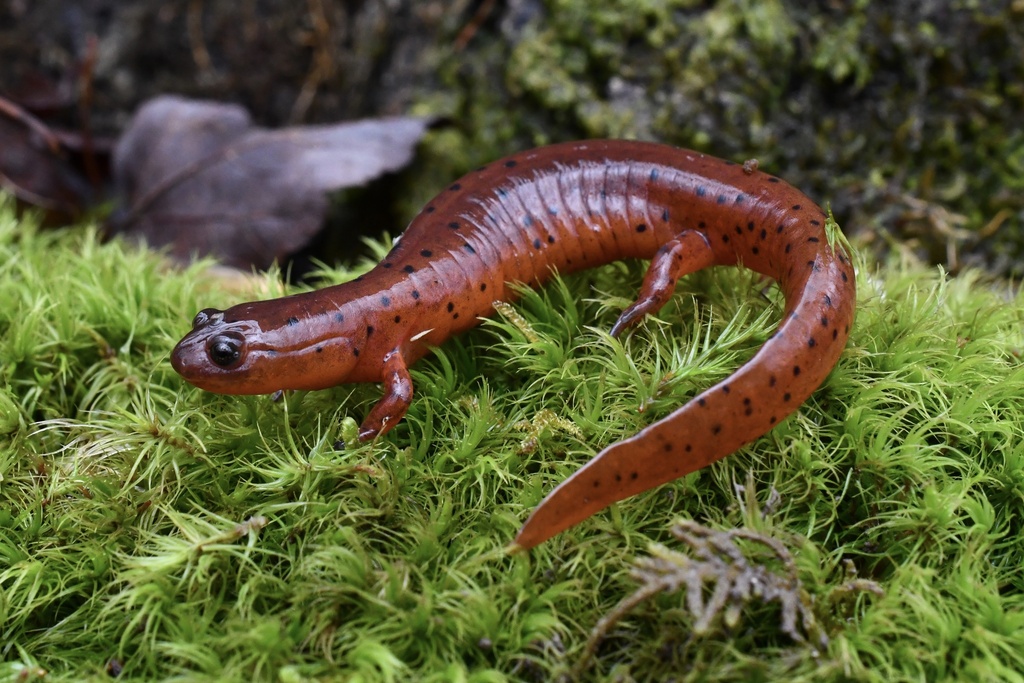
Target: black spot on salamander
339 317
408 269
824 321
771 420
750 226
788 247
551 239
771 380
469 247
716 429
739 230
702 225
385 301
843 275
796 370
748 411
641 227
387 264
754 250
483 286
786 396
654 174
429 209
618 477
292 320
502 192
815 222
451 306
764 233
369 330
536 243
689 447
811 343
604 193
510 163
772 179
426 253
778 230
455 187
455 316
721 199
319 349
527 220
835 334
415 294
701 191
634 475
597 483
664 215
796 207
739 198
454 225
846 329
842 257
813 239
725 238
667 447
552 211
828 301
355 352
726 389
701 402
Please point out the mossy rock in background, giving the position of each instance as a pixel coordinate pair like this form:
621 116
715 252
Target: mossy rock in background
895 113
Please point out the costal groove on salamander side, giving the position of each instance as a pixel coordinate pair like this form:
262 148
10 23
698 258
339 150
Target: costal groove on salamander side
563 208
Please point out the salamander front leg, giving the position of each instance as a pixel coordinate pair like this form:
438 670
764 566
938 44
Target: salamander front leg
687 253
395 402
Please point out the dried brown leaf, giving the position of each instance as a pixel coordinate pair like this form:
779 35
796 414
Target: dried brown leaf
199 178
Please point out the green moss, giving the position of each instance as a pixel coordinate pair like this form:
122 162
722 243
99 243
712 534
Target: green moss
172 534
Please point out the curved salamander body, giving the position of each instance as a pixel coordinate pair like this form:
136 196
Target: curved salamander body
560 208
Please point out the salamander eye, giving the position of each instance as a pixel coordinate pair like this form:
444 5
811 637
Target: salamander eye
225 350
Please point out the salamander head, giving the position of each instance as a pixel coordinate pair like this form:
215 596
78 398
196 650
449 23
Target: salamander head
233 352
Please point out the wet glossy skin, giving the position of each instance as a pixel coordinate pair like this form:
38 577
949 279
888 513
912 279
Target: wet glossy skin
565 207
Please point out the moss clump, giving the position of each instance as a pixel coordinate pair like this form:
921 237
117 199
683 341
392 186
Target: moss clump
153 530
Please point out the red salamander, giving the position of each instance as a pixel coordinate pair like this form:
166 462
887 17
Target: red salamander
518 220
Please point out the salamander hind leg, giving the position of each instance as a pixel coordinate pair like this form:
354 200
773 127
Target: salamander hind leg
393 405
687 253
